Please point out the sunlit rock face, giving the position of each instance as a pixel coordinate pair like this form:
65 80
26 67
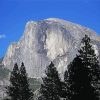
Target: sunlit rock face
48 40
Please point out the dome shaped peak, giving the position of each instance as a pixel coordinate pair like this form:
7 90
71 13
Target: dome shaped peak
54 19
30 22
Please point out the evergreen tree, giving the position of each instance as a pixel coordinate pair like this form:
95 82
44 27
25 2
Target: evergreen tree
50 89
83 74
25 92
13 88
19 86
89 59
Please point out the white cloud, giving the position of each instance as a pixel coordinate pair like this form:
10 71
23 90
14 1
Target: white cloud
2 36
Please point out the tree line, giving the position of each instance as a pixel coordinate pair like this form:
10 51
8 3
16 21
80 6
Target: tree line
81 79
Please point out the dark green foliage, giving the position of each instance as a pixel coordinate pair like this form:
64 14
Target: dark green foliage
51 87
83 75
13 88
6 99
89 59
25 93
19 86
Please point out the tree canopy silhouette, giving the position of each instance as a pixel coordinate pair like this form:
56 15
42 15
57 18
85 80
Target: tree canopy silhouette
51 86
13 88
19 85
83 74
25 92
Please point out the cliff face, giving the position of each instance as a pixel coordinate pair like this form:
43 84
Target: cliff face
48 40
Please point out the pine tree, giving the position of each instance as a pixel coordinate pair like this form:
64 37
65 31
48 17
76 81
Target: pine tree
83 74
19 85
89 59
51 86
13 88
25 92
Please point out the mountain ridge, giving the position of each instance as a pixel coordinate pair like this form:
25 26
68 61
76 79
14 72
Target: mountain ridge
57 20
48 40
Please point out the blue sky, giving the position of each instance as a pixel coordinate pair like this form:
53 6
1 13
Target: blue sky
15 13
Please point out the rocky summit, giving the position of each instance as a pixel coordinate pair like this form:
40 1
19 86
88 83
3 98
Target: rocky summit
45 41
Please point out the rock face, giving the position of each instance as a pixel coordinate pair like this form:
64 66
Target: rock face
4 74
48 40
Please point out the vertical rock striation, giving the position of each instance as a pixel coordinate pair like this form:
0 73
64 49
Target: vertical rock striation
48 40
